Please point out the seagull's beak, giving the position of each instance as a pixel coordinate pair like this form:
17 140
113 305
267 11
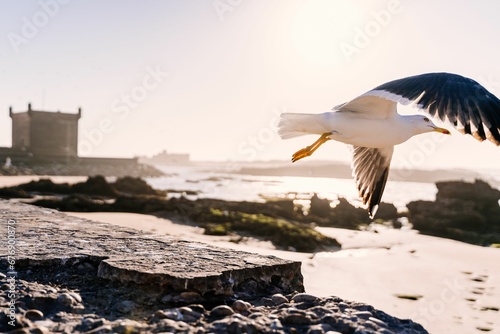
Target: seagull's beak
441 130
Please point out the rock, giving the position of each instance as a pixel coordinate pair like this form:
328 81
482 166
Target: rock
279 299
95 185
240 306
221 311
362 314
346 215
66 300
13 192
90 322
296 319
127 326
33 315
462 211
76 296
343 215
387 211
135 186
304 298
188 315
126 306
276 325
167 325
379 322
101 330
39 330
189 297
319 207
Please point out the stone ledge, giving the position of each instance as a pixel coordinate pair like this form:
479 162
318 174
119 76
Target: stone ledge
48 238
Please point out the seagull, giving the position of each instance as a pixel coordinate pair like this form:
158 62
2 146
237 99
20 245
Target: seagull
372 125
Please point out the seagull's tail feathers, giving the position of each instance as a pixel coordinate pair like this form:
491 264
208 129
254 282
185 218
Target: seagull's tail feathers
293 125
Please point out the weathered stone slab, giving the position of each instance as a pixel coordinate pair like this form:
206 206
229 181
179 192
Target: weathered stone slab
48 238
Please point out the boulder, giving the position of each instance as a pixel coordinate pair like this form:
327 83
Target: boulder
135 186
320 207
468 212
95 185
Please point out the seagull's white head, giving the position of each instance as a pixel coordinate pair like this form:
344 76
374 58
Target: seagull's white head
422 124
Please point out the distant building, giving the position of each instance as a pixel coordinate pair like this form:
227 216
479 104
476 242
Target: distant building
45 135
165 158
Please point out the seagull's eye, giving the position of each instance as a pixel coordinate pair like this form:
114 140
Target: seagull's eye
426 119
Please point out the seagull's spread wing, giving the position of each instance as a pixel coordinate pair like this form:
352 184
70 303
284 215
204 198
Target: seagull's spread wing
370 105
461 101
370 169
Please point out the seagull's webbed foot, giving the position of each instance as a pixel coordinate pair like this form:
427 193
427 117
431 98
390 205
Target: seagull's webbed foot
307 151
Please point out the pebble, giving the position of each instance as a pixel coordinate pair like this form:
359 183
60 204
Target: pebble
362 314
101 330
76 296
316 329
34 315
221 311
190 297
173 314
189 315
296 319
167 325
39 330
126 306
304 298
240 306
58 311
276 324
378 322
279 299
65 299
197 308
127 326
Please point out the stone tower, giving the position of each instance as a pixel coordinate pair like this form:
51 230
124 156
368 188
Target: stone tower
45 135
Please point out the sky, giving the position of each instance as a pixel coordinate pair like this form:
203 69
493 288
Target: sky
210 77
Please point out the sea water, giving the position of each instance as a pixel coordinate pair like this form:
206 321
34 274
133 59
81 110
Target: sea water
208 182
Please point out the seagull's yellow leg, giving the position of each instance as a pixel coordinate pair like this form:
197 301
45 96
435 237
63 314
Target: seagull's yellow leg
307 151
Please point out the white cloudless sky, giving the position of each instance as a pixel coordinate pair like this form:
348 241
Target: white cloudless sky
210 77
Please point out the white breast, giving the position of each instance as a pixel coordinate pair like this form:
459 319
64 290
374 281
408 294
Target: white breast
353 129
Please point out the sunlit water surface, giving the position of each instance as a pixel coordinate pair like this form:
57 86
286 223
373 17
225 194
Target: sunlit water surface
228 186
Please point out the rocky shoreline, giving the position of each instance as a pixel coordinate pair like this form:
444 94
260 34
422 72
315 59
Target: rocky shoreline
80 276
462 211
275 221
50 308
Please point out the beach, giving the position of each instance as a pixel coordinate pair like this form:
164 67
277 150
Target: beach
455 284
445 285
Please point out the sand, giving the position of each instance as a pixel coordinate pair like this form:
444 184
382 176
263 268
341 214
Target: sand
9 181
457 284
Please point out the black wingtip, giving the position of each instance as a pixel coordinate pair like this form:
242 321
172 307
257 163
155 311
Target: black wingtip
372 210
